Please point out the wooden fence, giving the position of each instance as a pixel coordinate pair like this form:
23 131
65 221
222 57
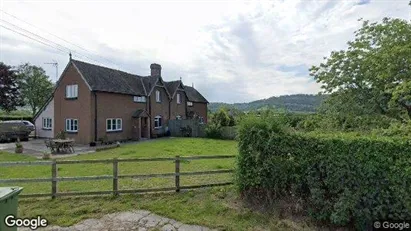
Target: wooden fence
229 133
115 177
176 125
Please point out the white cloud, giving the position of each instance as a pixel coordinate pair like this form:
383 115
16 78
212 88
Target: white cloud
232 51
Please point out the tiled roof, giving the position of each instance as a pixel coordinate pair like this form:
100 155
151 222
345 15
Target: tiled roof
172 86
140 113
110 80
149 83
193 95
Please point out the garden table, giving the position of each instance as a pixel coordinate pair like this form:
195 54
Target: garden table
64 144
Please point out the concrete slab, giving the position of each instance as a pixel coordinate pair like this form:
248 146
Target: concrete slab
37 147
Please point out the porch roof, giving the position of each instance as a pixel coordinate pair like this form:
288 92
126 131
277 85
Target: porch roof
140 113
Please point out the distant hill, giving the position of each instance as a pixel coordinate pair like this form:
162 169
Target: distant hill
293 103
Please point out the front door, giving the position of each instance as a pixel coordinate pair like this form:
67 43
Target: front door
136 129
144 127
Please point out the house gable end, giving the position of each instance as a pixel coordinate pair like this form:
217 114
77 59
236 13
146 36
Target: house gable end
57 85
159 83
82 76
180 87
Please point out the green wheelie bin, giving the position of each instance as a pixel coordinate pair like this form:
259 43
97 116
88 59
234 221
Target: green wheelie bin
8 205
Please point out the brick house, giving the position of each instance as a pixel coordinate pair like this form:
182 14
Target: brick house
91 102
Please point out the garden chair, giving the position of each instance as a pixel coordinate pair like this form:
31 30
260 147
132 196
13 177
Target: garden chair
70 146
50 145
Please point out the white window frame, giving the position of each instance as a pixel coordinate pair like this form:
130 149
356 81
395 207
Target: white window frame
47 123
71 91
139 99
158 119
72 125
158 96
178 98
116 124
189 103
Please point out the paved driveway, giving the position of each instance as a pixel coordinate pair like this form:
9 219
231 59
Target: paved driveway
37 147
134 220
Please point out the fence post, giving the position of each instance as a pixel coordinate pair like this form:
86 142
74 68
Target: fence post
115 177
177 174
53 179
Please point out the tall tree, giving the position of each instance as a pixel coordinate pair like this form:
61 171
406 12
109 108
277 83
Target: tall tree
36 86
221 117
374 74
10 95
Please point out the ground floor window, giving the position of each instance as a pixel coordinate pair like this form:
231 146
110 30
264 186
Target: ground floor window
115 124
158 123
71 125
47 123
201 119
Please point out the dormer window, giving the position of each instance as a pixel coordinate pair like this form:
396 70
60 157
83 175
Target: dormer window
139 99
158 96
190 104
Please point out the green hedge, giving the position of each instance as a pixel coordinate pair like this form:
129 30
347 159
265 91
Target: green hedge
342 179
3 118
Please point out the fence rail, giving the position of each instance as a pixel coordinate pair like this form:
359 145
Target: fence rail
115 176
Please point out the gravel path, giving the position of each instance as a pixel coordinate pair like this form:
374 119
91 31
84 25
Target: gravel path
139 220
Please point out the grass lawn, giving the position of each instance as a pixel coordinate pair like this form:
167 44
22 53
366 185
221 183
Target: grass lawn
155 148
214 207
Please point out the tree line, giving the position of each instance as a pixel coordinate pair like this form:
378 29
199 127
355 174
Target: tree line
366 87
306 103
24 85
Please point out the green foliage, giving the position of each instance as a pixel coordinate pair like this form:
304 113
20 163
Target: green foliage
346 123
372 74
10 97
213 131
293 103
18 143
396 129
344 179
61 135
221 122
222 118
22 117
17 113
35 85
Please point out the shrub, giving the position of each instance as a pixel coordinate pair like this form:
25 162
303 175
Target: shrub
344 122
344 179
222 118
213 131
103 140
15 117
61 135
18 143
46 156
395 129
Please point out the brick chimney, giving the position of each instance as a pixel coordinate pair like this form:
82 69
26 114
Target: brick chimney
155 69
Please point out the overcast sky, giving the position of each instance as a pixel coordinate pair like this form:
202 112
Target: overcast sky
231 51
